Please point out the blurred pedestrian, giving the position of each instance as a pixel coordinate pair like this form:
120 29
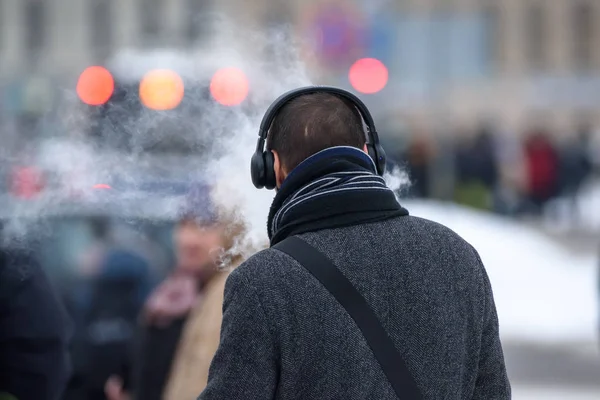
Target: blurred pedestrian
34 331
509 191
542 165
109 304
181 320
102 241
477 170
575 168
419 156
355 299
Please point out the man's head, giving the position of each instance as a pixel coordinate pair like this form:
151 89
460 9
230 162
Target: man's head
311 123
197 246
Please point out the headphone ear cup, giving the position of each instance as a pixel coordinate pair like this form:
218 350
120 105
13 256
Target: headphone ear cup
373 154
257 170
269 170
381 159
377 154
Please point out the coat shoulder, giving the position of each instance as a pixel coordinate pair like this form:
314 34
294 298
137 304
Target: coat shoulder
434 232
263 266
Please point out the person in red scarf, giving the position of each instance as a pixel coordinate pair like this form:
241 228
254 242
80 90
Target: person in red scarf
181 319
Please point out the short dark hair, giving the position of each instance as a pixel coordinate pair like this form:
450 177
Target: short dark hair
311 123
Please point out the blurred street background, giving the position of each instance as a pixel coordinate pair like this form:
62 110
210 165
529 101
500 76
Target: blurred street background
492 108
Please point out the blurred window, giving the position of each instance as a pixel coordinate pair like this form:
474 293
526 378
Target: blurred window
276 25
197 21
413 51
35 24
468 47
101 27
493 22
277 16
151 15
536 35
442 28
583 34
441 48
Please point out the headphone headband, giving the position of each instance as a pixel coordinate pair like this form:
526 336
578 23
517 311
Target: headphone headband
285 98
262 175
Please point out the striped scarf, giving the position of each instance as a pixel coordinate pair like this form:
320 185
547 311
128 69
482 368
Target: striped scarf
333 188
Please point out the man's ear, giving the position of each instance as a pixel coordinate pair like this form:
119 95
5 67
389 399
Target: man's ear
365 148
280 173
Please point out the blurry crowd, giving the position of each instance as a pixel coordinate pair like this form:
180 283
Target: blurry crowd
508 175
147 323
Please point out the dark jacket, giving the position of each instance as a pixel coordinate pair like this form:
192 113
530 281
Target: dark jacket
153 359
285 337
34 331
107 315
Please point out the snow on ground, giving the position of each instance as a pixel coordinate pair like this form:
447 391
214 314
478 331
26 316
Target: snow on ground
554 393
589 206
543 293
561 216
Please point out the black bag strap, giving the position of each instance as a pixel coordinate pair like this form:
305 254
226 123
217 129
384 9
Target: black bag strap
346 294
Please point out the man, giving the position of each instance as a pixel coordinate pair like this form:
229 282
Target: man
284 336
34 332
181 320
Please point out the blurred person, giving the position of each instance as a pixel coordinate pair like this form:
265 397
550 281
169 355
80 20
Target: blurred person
285 336
181 321
594 151
509 191
542 166
485 152
418 156
108 306
477 170
575 167
102 241
34 331
110 234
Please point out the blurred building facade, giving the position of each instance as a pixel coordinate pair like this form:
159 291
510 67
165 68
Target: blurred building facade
517 61
511 60
60 37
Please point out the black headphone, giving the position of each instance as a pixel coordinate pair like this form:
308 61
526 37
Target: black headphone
262 166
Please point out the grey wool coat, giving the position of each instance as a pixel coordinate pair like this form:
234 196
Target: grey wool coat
285 337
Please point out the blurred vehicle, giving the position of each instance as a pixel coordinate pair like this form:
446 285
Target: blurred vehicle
61 225
161 103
